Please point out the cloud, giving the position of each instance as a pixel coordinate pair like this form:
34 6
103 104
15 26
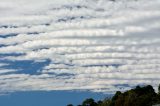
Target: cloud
3 71
102 46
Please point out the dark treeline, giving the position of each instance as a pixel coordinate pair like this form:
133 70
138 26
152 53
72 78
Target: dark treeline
139 96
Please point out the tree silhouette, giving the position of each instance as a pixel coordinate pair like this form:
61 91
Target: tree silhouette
139 96
159 89
69 105
89 102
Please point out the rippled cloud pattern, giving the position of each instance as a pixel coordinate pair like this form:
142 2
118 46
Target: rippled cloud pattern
96 45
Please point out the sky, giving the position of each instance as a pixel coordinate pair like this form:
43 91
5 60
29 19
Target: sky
50 98
95 46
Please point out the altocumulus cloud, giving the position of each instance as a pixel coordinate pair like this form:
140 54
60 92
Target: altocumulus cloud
102 46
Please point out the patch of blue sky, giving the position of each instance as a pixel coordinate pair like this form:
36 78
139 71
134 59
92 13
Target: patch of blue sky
50 98
25 66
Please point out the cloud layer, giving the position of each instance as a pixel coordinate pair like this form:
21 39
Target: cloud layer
102 46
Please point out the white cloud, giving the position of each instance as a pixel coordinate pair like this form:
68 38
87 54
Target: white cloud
92 45
3 71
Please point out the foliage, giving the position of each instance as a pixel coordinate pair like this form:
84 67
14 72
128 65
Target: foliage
159 89
89 102
139 96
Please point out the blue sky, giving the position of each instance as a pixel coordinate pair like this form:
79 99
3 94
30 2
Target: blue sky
56 46
52 98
